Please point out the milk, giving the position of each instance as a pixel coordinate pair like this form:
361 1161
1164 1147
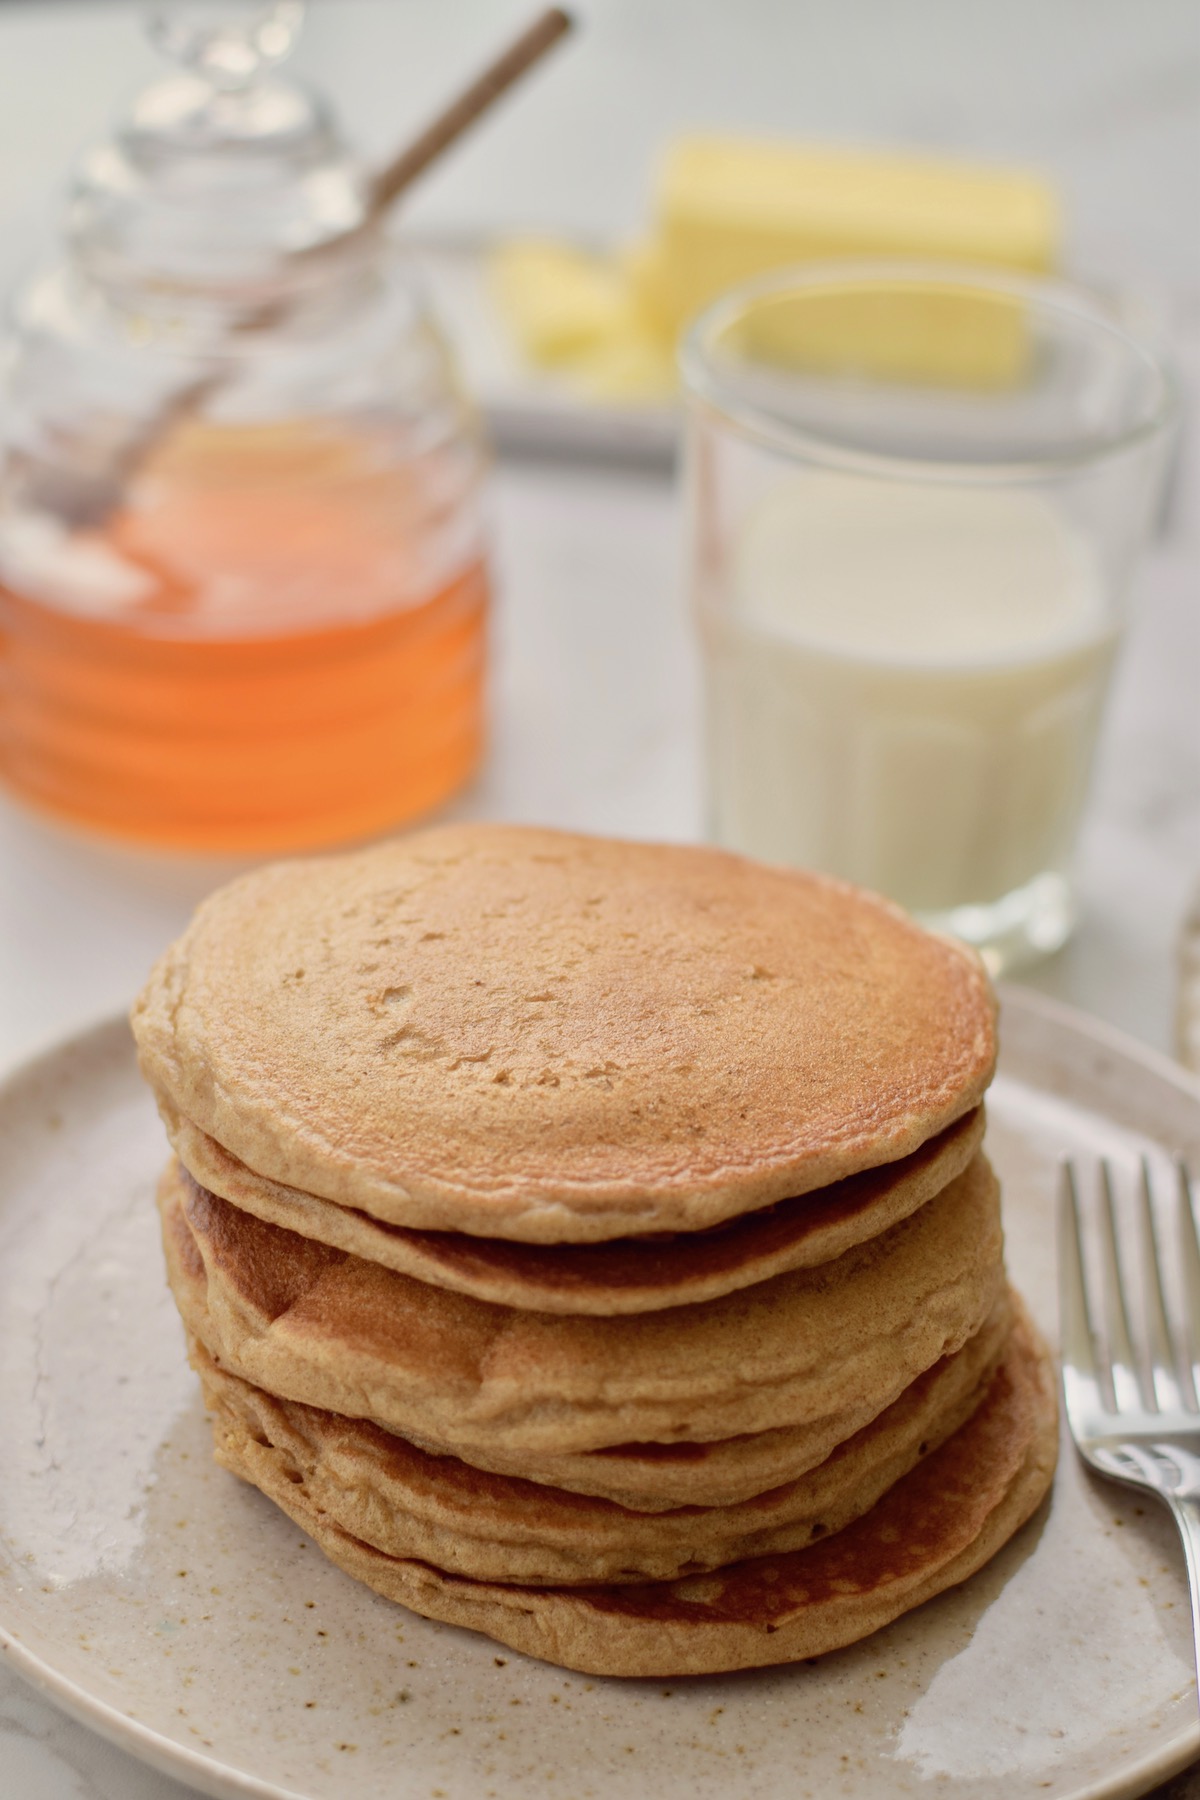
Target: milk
904 684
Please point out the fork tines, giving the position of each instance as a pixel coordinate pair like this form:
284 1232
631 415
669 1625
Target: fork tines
1121 1369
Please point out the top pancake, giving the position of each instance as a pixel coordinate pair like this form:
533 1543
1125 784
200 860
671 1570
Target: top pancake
523 1034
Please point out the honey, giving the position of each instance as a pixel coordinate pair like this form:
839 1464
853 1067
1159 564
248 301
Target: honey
243 590
276 643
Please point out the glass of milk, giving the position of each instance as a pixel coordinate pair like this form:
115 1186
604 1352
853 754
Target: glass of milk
915 497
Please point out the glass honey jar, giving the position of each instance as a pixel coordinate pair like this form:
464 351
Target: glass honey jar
243 585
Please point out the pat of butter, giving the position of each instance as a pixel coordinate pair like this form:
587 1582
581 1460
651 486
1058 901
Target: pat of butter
579 315
558 302
629 367
728 209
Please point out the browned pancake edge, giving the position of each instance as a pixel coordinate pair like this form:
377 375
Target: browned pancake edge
628 1275
932 1530
542 1036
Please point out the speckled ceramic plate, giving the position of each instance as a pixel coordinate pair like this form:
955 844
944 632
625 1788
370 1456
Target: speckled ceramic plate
178 1612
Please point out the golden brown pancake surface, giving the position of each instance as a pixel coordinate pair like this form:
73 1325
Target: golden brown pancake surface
525 1034
312 1323
590 1242
437 1509
933 1529
623 1275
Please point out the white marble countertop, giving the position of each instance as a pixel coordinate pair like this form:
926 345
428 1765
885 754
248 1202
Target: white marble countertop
586 734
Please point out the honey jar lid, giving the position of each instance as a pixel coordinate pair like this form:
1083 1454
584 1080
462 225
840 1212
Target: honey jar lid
225 174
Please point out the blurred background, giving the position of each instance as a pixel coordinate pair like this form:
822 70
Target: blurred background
1098 100
1101 97
1102 103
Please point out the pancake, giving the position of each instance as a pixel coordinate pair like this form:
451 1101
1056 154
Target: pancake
523 1034
723 1471
310 1323
647 1476
626 1275
437 1509
933 1529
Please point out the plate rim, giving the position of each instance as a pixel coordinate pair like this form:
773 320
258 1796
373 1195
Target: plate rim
177 1761
211 1776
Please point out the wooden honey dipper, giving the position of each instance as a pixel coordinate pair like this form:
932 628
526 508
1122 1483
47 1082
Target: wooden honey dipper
85 501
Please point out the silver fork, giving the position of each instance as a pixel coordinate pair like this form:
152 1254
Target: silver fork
1132 1404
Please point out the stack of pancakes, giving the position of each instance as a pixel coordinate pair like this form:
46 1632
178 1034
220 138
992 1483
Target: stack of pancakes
591 1243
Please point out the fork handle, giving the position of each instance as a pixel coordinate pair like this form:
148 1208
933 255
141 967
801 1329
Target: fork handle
1185 1510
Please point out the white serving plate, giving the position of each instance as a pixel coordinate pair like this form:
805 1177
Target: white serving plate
176 1611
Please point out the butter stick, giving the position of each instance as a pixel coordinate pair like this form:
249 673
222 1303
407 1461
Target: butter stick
731 208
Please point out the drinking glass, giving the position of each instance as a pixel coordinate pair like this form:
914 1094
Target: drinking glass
915 497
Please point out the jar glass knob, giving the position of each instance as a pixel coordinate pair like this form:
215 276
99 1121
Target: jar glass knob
229 43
